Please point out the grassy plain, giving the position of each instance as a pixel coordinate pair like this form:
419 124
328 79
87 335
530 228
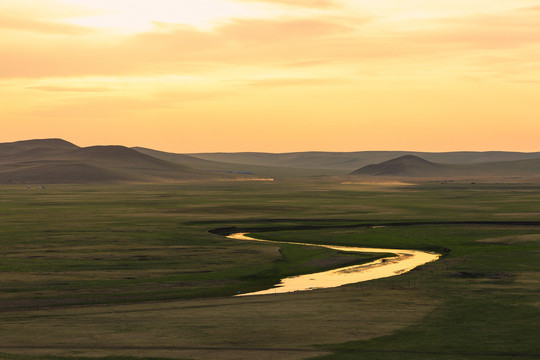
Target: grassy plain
131 271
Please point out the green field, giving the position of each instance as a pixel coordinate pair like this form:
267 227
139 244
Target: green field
131 271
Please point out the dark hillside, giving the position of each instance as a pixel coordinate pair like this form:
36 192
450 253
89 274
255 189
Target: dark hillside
38 144
58 161
121 156
264 171
413 166
60 173
407 165
350 161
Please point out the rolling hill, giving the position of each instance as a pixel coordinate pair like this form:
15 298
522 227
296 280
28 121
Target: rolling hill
406 165
414 166
261 170
349 161
58 161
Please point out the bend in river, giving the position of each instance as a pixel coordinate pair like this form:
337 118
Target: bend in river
404 261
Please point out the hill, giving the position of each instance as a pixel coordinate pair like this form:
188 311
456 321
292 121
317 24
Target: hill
349 161
262 170
57 173
38 144
188 160
414 166
57 161
406 165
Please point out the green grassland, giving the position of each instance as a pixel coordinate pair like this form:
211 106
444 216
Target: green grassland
132 271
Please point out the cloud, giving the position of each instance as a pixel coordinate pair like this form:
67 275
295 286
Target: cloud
280 30
532 82
97 107
532 8
299 3
282 42
293 82
49 9
494 31
37 26
171 48
60 57
305 63
68 89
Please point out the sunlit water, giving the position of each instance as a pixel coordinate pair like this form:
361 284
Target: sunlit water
405 260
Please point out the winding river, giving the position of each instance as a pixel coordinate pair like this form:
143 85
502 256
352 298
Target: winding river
403 261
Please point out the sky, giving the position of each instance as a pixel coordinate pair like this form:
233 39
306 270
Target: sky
273 75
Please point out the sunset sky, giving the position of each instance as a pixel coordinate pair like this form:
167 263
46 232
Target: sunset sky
273 75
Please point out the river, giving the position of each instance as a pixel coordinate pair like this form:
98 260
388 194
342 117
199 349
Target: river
402 262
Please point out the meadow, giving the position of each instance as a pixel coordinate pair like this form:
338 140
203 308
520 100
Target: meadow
134 271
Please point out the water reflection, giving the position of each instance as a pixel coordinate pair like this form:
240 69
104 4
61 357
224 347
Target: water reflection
400 262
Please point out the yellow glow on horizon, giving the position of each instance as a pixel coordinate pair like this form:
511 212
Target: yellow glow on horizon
284 75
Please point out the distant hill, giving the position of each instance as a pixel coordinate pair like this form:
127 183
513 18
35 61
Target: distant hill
260 170
349 161
187 160
406 165
58 161
414 166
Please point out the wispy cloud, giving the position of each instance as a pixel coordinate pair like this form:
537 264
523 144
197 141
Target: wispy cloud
270 31
68 89
37 26
493 31
299 3
531 8
266 83
175 49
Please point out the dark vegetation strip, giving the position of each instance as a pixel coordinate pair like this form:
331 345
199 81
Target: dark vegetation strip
4 356
225 231
165 347
454 353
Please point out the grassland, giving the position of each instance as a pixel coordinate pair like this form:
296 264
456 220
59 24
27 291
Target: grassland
132 271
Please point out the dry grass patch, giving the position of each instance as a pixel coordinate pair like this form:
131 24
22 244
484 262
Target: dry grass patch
512 239
282 326
529 279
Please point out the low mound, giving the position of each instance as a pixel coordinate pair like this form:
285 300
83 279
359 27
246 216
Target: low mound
407 165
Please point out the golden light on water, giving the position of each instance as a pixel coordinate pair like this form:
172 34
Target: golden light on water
401 261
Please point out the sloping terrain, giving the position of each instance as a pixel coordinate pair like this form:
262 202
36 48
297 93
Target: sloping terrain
406 165
188 160
38 144
260 170
414 166
350 161
59 172
529 167
34 150
58 161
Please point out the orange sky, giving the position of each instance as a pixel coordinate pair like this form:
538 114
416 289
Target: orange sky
273 75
